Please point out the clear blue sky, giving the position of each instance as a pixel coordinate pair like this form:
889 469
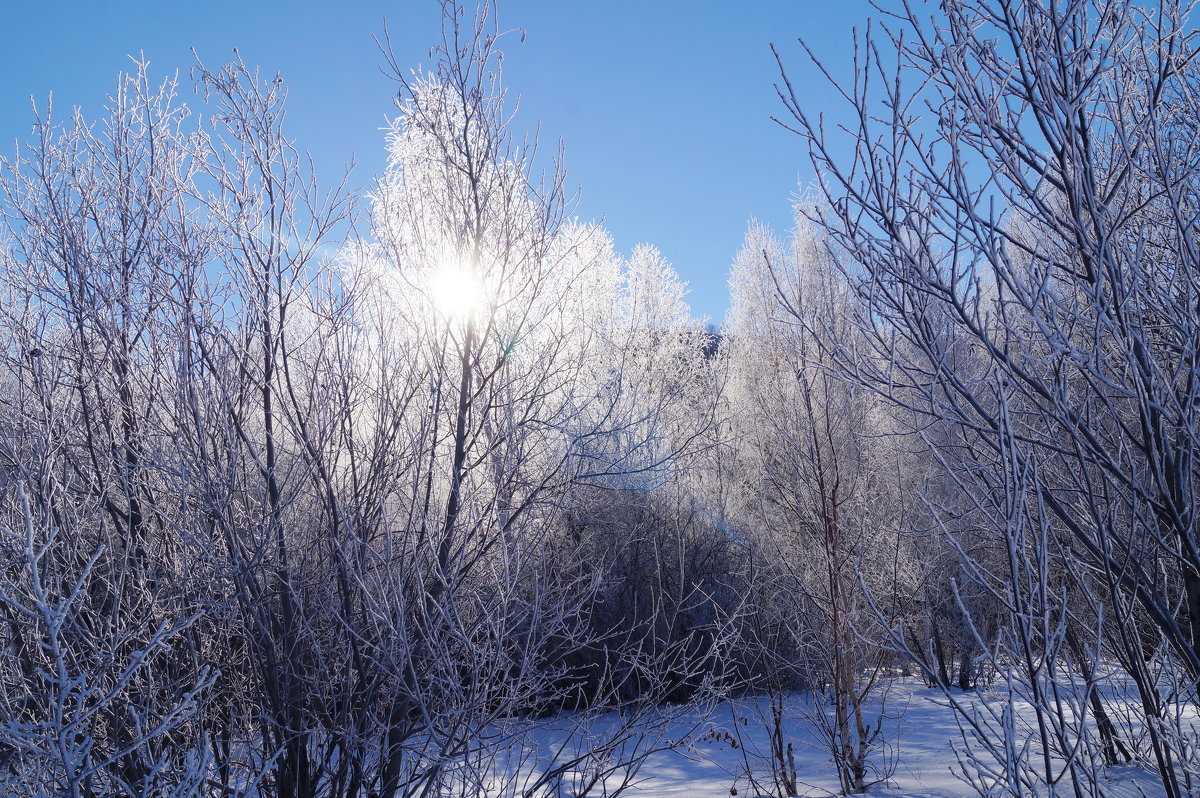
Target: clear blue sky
663 106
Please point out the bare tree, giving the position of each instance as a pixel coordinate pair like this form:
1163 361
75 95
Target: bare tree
287 511
101 686
522 332
823 480
1031 202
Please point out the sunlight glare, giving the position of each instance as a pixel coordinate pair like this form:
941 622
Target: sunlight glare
455 291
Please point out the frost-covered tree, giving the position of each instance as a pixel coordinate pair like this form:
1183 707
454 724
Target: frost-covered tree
544 368
1021 184
285 515
822 486
99 686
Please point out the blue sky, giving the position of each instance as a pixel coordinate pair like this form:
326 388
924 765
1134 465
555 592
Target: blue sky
663 106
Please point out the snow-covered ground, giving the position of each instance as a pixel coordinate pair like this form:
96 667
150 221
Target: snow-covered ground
921 734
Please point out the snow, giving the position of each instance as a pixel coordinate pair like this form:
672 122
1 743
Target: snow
920 732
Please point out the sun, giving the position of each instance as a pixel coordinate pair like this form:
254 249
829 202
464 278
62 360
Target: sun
456 291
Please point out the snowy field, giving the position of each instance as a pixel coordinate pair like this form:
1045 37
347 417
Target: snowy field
921 735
